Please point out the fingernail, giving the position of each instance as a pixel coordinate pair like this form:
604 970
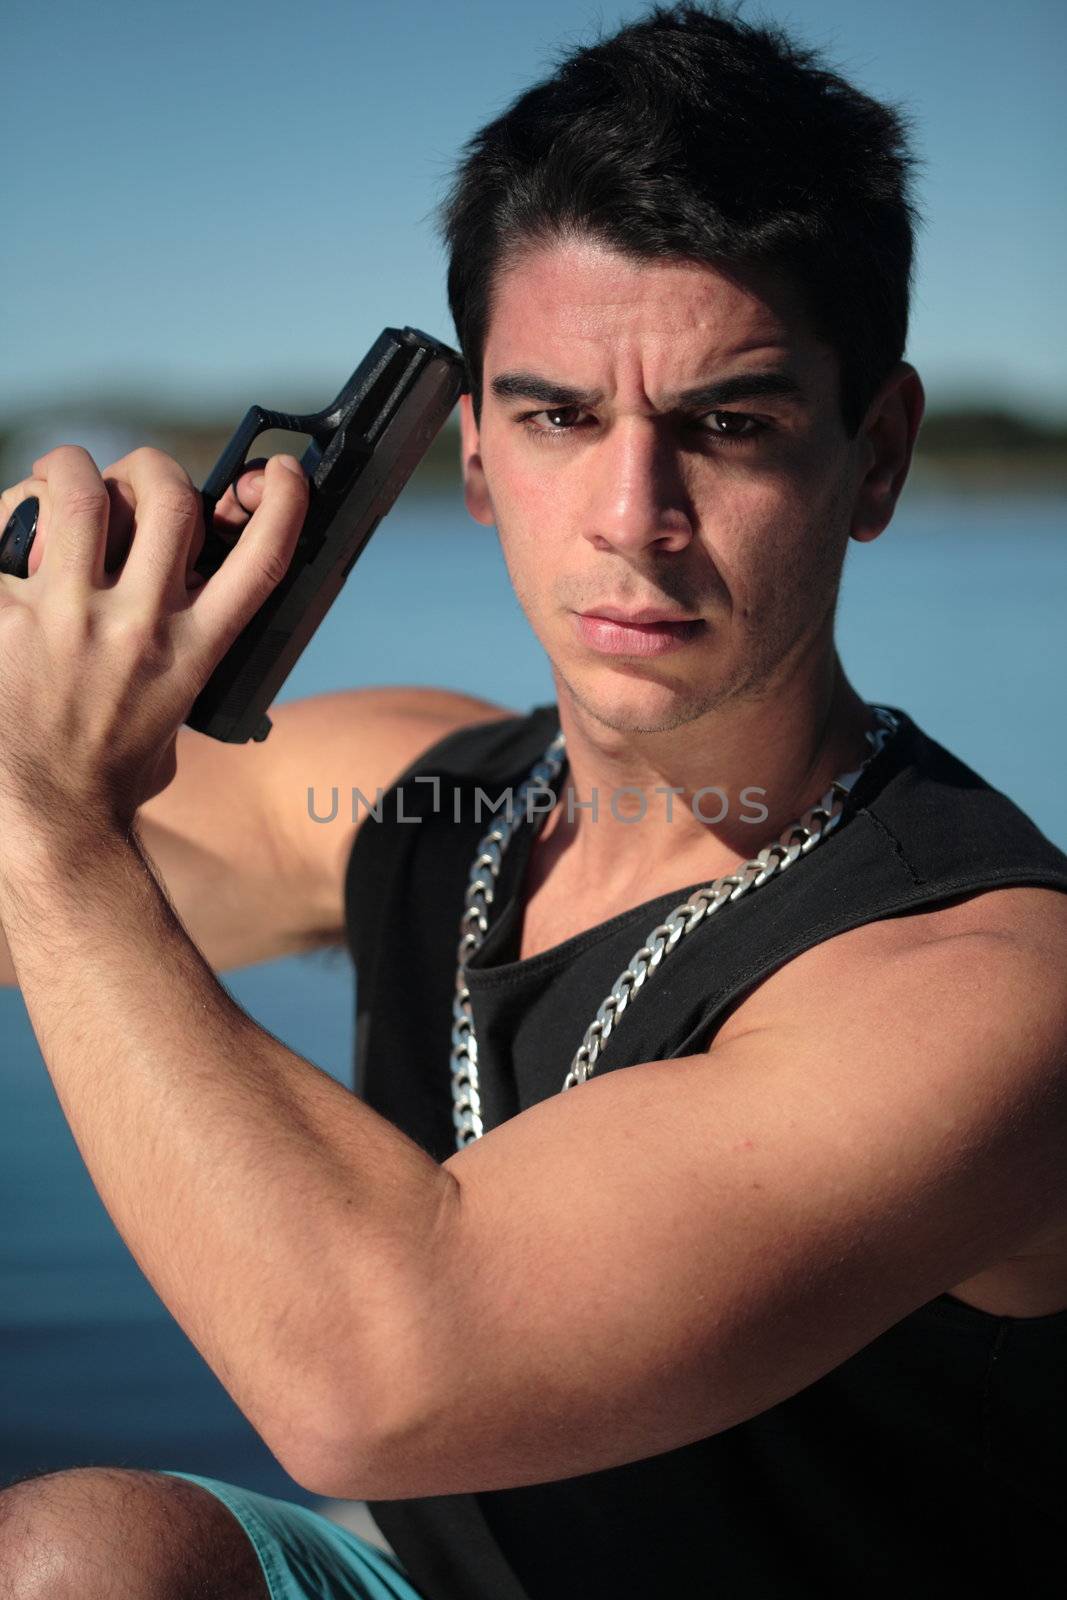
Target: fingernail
291 464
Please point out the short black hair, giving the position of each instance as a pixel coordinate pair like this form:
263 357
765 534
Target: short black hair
690 133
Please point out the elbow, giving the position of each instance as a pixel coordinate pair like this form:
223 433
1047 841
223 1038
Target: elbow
356 1430
329 1449
320 1420
388 1442
360 1425
330 1470
349 1468
345 1462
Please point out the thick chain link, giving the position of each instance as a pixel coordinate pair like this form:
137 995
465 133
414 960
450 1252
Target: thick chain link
797 840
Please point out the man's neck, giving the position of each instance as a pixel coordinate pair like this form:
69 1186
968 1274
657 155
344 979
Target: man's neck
702 797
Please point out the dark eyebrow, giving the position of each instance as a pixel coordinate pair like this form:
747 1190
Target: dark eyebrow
779 384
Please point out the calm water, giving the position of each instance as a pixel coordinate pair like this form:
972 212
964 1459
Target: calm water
956 614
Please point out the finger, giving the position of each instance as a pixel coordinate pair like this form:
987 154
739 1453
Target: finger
11 499
18 492
120 524
259 560
120 532
240 501
79 509
227 519
230 513
242 498
167 526
120 528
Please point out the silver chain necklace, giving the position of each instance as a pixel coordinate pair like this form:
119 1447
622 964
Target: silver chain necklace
797 840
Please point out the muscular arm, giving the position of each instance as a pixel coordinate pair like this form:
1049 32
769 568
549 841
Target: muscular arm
701 1236
248 871
225 1160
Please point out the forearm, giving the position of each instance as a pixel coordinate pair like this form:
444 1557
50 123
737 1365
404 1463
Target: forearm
291 1230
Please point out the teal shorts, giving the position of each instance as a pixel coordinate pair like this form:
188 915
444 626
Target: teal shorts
303 1555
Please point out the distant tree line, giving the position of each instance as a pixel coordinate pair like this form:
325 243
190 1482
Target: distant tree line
966 447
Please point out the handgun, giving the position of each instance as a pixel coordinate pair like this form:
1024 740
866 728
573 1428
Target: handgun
363 448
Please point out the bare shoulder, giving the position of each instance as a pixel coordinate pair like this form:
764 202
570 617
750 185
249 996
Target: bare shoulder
1021 923
1023 928
368 735
975 986
1022 912
351 739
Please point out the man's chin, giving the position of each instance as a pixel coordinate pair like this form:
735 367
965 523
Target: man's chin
633 704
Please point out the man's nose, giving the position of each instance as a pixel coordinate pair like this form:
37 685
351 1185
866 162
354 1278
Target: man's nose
637 495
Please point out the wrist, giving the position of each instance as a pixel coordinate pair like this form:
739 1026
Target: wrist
41 843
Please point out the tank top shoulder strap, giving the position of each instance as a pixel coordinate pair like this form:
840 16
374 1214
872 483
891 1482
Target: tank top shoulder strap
483 754
948 827
488 751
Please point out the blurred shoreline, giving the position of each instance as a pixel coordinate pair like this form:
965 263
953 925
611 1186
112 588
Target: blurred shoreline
966 449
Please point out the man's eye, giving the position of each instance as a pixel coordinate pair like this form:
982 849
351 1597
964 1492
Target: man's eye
559 419
738 430
725 427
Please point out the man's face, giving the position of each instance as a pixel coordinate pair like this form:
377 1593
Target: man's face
611 487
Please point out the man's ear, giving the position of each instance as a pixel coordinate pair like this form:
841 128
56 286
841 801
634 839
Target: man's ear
888 437
475 488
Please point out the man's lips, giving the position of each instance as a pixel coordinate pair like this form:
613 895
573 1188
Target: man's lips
615 636
636 618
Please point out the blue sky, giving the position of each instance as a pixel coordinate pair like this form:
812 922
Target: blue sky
227 202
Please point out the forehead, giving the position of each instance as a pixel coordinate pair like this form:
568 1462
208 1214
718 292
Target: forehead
584 307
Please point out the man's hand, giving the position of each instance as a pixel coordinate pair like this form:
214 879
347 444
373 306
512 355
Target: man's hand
231 513
107 643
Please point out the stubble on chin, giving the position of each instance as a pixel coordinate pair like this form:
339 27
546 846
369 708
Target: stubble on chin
762 648
610 710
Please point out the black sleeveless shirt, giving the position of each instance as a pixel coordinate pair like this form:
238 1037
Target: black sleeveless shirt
932 1461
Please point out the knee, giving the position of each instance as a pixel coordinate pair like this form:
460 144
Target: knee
99 1531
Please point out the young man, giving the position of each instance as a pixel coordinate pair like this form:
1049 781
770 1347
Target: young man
781 1308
